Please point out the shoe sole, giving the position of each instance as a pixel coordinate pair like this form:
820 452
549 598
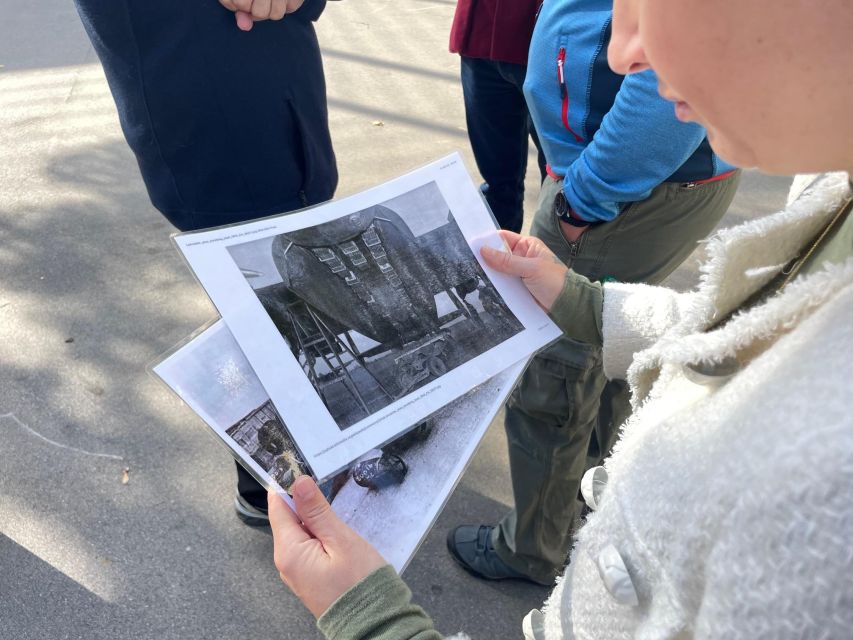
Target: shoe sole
253 522
248 518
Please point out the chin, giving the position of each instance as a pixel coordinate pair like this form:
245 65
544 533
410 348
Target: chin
732 151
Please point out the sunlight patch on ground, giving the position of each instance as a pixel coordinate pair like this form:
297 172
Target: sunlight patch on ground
52 541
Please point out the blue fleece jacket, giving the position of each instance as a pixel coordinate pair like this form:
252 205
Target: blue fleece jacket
612 137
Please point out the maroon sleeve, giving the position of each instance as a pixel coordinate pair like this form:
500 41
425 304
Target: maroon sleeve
494 29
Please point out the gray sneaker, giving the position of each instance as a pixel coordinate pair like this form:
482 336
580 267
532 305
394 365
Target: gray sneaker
471 547
249 514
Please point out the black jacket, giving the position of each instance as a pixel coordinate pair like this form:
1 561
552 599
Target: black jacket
226 125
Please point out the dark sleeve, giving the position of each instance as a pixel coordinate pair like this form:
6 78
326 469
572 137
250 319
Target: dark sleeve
310 10
377 608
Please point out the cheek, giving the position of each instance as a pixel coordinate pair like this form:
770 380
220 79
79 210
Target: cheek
668 37
687 43
728 128
683 44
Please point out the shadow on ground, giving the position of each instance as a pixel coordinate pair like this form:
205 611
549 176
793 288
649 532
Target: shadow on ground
93 293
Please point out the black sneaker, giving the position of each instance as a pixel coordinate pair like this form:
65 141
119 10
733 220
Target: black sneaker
471 547
250 514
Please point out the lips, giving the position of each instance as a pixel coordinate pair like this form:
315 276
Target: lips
683 111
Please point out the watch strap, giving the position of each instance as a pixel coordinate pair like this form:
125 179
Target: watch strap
563 210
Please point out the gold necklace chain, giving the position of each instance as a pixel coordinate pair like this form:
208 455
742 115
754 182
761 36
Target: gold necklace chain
840 215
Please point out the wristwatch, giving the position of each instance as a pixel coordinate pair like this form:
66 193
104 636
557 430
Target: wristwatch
563 210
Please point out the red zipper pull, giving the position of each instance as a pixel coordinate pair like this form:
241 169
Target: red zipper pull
564 93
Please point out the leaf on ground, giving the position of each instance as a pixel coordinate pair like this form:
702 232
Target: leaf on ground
125 475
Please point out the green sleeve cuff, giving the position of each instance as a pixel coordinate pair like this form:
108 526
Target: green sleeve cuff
377 608
578 309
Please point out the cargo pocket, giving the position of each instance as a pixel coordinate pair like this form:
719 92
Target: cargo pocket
556 384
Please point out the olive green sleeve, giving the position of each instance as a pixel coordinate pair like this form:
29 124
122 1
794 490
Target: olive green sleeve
377 608
578 309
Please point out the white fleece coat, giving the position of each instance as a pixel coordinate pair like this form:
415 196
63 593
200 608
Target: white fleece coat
731 507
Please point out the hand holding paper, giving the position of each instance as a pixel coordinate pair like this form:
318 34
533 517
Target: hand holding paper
539 269
247 12
318 556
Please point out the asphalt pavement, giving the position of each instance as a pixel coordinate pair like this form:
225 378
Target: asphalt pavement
116 517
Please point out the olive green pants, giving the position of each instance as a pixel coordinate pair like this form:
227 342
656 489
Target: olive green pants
563 416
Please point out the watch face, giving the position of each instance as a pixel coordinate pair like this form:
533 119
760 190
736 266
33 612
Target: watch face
561 205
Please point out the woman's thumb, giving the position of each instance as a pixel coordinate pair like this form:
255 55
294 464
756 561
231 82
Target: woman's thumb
314 510
505 262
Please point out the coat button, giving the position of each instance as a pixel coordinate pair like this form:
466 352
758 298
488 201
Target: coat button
533 625
712 374
616 578
592 486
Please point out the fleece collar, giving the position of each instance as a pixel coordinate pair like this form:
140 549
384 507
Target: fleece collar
741 260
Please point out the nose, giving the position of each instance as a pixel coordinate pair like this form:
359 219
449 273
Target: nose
625 53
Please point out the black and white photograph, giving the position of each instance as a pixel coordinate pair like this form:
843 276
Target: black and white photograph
262 436
366 315
213 377
390 495
376 304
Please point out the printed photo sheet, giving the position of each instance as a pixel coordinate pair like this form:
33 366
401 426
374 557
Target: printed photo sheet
364 316
390 496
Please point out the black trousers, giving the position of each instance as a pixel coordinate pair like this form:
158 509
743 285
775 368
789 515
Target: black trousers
498 127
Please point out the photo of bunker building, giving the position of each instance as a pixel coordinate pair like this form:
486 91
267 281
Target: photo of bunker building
262 435
372 311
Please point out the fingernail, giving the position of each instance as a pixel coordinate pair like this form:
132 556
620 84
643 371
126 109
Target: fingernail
302 489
